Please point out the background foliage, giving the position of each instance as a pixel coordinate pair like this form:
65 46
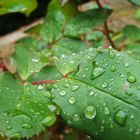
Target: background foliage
70 75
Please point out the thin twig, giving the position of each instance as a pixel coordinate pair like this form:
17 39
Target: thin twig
106 26
43 82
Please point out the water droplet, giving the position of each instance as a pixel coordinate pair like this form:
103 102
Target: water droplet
132 116
62 93
55 86
52 107
34 60
97 72
63 56
47 94
48 121
75 87
40 87
131 78
121 75
121 117
130 129
66 85
26 125
90 112
126 64
113 68
84 76
106 110
129 52
91 92
111 54
76 117
104 84
111 126
102 128
72 100
69 122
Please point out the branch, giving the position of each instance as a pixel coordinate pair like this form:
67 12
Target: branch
43 82
101 5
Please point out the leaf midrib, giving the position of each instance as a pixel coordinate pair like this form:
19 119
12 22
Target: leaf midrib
107 93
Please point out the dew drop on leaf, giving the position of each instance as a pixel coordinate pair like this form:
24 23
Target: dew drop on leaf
62 93
72 100
131 78
111 54
102 128
104 84
48 95
132 116
66 85
40 87
97 72
113 68
76 117
90 112
111 125
52 107
121 117
130 129
34 60
106 110
126 64
75 87
48 121
55 86
91 92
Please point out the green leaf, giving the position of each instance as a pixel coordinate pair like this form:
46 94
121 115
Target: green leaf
101 95
25 110
30 56
57 16
137 14
53 24
84 22
132 32
96 38
22 6
135 2
68 46
47 73
133 50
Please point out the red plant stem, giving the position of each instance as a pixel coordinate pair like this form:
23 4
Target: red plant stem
2 66
101 5
43 82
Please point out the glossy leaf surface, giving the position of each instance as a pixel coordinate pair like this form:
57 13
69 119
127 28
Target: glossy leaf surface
25 110
84 22
30 56
22 6
101 95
